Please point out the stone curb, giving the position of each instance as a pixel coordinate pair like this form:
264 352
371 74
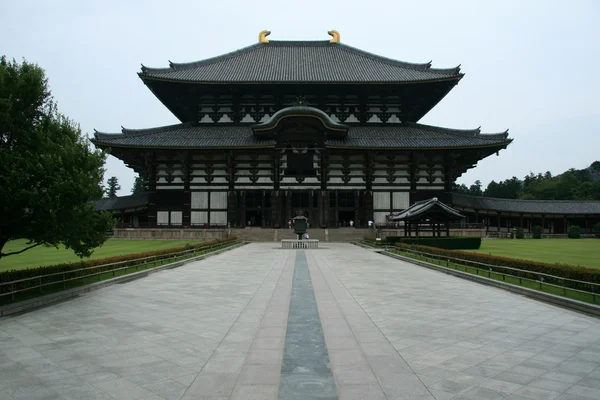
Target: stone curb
42 301
538 295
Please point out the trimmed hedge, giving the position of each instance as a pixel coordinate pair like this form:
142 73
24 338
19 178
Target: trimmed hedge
537 231
68 269
450 243
560 270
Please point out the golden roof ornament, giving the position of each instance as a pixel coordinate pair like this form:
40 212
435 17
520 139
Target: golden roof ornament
262 36
335 36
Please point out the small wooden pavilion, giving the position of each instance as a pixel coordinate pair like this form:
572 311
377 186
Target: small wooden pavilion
430 212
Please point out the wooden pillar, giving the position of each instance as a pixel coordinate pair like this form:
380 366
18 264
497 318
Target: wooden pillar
288 205
543 223
447 229
242 206
586 224
275 223
325 207
521 221
356 208
476 216
151 168
263 217
335 208
565 223
232 208
417 229
498 222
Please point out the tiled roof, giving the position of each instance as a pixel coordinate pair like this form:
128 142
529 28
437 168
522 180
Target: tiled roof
184 136
563 207
410 136
300 61
123 202
425 208
413 135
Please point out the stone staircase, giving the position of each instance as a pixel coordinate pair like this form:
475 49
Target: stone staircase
344 235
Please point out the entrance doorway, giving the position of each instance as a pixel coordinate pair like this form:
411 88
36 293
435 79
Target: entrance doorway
344 218
254 218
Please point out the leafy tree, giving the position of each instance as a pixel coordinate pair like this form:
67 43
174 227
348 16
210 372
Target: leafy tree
140 185
475 189
508 189
113 187
49 176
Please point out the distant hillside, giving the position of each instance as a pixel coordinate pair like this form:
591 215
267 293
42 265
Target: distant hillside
594 171
574 184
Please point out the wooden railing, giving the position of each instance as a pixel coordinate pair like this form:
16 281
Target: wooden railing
39 282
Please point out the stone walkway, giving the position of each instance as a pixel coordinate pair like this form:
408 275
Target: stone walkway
219 329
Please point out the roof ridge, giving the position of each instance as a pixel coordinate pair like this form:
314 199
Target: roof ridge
424 67
129 131
140 132
183 66
415 66
461 132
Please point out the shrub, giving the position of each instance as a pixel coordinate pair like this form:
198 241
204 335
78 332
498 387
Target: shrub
453 243
537 231
530 267
519 233
574 232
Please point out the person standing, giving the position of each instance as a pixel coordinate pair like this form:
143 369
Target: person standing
351 224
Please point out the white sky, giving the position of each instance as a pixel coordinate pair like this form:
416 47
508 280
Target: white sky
531 66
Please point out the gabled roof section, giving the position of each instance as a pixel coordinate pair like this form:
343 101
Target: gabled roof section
409 136
427 208
183 136
268 128
120 203
547 207
419 136
300 62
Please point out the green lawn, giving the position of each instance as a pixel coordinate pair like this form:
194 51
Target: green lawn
42 256
581 252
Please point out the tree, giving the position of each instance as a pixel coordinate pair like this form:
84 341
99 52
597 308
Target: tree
113 187
140 185
475 189
49 175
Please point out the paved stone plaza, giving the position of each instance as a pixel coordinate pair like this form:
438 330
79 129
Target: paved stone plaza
219 329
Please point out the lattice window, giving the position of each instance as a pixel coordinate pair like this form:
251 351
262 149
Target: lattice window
199 217
176 218
162 218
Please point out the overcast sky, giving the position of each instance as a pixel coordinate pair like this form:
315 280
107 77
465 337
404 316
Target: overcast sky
531 66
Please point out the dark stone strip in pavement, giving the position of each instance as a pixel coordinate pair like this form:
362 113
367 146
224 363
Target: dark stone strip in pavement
306 369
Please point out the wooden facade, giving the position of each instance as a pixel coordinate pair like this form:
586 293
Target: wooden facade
261 139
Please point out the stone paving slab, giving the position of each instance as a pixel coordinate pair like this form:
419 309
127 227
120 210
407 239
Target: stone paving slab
186 332
217 328
441 337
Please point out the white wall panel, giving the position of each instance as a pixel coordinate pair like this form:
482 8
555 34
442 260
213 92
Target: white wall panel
162 218
400 200
199 200
379 217
218 217
199 217
218 201
381 200
176 218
